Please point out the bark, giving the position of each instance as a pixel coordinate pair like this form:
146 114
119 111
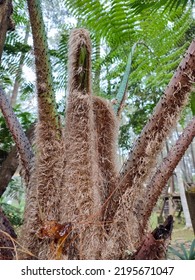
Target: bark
142 158
165 170
22 143
6 22
45 91
7 236
155 244
10 164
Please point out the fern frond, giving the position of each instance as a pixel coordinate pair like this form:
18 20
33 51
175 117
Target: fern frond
139 6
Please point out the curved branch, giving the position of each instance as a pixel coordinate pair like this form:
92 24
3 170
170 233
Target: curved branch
10 164
22 143
166 168
6 22
142 158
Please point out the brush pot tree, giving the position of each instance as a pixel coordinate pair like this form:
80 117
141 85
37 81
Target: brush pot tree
78 204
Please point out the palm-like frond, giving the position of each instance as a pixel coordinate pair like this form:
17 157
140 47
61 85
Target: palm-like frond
19 12
139 6
115 20
59 62
162 36
11 59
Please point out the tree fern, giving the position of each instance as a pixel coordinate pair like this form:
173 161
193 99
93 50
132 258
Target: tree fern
139 6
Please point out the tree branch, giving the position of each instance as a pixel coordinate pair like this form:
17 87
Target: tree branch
142 158
10 164
6 22
45 91
166 168
22 143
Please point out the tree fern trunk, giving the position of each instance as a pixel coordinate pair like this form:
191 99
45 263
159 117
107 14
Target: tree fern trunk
44 189
45 91
82 199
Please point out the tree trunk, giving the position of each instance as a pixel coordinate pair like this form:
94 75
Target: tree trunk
6 22
165 170
190 196
183 197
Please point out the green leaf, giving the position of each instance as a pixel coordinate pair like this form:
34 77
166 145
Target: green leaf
192 251
177 253
184 252
139 6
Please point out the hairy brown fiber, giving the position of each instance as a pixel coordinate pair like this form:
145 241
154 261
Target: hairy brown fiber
42 197
82 199
106 126
79 62
43 192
